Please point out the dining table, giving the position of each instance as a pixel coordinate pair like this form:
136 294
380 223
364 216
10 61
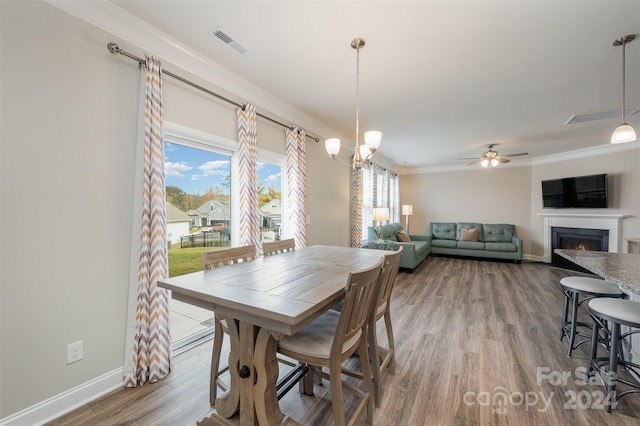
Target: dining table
263 300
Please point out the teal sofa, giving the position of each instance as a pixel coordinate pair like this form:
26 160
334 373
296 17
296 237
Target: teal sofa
413 252
497 241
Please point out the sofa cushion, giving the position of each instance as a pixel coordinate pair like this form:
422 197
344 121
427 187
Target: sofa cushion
403 237
470 245
501 247
389 231
499 233
469 225
469 234
443 243
443 230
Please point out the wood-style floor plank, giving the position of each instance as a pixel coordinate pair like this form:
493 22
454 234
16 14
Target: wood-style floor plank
467 331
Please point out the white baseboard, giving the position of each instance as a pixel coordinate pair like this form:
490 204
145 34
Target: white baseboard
532 258
67 401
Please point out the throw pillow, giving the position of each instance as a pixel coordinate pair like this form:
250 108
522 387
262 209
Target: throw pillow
403 237
469 234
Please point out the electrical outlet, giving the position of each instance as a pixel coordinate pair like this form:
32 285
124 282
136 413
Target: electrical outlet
74 352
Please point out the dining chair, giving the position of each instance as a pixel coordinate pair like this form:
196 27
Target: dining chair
334 336
211 260
383 358
278 247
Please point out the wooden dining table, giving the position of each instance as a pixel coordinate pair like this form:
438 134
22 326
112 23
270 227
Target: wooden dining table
262 301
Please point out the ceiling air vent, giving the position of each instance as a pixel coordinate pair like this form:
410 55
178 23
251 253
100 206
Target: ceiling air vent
599 115
228 40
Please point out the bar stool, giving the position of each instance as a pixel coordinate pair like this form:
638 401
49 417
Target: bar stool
589 288
616 312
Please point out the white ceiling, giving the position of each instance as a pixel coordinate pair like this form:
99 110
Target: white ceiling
440 79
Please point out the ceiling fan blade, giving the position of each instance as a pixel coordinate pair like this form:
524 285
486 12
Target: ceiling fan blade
516 155
473 162
502 159
467 158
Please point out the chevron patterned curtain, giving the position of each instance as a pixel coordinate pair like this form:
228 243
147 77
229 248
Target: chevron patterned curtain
296 179
356 208
148 343
248 180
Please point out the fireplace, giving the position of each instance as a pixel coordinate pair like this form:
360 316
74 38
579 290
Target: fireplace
577 239
600 221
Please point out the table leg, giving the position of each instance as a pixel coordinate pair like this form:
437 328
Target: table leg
253 368
229 403
266 365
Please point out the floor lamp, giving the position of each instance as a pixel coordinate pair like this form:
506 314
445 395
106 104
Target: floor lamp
407 210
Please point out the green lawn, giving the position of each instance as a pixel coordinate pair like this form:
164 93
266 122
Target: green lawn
185 260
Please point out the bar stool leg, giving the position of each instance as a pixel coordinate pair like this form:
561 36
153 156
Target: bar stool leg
612 374
565 314
574 320
593 354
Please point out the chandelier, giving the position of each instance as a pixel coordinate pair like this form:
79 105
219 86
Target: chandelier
372 138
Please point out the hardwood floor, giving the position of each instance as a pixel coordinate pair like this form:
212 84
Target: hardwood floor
476 343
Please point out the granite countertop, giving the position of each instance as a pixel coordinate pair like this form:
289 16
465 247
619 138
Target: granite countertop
620 268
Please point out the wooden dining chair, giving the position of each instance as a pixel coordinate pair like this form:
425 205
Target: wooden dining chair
383 358
211 260
278 247
334 336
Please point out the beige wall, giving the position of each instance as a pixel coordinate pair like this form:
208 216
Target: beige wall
69 111
513 195
623 170
500 195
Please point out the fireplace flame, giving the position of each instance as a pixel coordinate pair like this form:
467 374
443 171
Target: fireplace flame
581 247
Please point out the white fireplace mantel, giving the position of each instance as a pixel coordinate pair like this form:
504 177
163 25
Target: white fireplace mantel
610 222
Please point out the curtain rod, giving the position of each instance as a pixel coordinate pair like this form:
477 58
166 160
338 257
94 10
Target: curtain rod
113 48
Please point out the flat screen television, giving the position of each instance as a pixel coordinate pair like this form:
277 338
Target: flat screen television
576 192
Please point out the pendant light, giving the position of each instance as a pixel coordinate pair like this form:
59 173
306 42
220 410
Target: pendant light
372 138
624 132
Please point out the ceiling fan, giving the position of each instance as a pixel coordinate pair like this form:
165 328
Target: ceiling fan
491 158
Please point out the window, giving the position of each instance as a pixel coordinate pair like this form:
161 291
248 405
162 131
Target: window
199 175
199 209
270 201
380 188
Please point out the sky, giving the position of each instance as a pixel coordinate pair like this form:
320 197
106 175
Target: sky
195 171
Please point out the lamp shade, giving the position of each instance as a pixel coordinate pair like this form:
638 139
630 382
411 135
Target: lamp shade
372 139
381 213
365 152
407 209
332 146
623 133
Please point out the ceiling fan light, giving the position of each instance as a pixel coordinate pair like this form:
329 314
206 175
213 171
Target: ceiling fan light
332 145
494 162
484 163
623 133
372 139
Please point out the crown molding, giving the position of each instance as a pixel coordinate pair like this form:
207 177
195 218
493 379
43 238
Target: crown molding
547 159
129 29
586 152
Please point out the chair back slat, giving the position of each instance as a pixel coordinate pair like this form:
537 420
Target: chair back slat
388 279
361 290
278 247
217 258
